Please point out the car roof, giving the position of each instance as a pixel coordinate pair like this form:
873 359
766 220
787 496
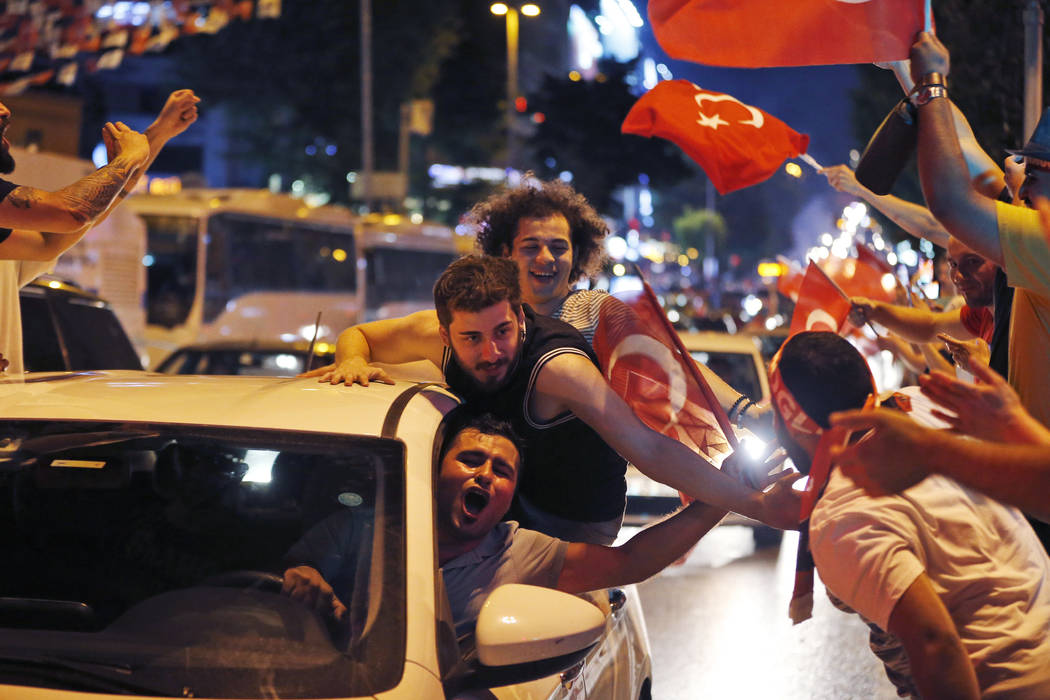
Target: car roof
271 345
714 341
236 402
49 282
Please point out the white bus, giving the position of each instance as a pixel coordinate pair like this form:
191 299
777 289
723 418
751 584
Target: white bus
250 264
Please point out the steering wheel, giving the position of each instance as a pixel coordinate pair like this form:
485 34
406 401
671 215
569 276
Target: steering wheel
246 578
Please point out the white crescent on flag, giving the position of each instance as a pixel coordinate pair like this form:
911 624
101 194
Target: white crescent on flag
820 317
756 120
639 344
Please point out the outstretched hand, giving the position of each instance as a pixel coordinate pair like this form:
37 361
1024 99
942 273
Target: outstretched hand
888 459
352 371
842 179
782 504
967 352
178 113
928 55
126 143
990 410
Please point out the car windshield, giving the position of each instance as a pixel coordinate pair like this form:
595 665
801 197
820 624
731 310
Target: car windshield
736 368
259 363
148 559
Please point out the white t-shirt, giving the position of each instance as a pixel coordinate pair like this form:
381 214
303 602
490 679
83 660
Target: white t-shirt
15 274
981 557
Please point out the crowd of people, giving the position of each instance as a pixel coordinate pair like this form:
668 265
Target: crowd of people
917 529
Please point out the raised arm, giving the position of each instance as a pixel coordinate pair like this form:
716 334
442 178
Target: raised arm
937 658
392 341
75 206
570 382
589 567
178 113
916 220
965 213
911 323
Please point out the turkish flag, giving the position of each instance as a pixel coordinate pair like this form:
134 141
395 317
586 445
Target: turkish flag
736 144
790 280
863 276
646 369
762 33
821 306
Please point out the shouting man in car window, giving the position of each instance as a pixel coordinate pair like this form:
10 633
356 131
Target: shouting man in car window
36 226
477 551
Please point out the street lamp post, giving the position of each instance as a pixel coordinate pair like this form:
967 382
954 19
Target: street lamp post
511 15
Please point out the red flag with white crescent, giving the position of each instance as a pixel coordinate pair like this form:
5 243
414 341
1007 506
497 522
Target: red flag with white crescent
764 33
821 306
645 369
736 144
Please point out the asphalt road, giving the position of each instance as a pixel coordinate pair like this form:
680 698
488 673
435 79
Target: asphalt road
718 628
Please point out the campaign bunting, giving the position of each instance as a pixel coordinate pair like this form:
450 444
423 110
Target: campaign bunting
821 305
736 144
763 33
644 366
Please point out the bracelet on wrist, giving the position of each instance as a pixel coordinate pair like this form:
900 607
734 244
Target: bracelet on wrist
743 410
736 404
933 78
928 93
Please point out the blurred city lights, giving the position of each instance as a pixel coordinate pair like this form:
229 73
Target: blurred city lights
793 170
339 255
889 282
752 304
499 8
770 269
530 10
619 270
673 316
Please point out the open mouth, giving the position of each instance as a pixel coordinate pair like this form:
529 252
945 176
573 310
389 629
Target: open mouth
544 276
474 501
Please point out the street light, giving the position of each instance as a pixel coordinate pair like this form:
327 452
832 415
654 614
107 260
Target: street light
511 14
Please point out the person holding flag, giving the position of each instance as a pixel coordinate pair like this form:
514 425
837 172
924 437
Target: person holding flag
955 608
542 376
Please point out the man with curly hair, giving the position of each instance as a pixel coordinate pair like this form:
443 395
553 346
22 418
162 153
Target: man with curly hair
556 238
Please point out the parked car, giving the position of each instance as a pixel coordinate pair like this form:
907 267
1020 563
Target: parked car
148 516
267 358
65 328
735 358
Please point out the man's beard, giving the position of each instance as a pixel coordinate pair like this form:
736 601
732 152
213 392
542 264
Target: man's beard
490 386
7 161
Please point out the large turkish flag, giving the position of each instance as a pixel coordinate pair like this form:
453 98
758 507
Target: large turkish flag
645 368
761 33
821 306
736 144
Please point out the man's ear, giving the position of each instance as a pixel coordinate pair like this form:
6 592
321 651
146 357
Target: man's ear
443 332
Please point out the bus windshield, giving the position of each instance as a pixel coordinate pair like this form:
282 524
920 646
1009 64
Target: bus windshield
254 254
171 268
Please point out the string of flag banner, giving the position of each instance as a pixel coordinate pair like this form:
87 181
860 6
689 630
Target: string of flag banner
54 40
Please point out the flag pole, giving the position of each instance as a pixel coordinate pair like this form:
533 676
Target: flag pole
810 161
845 296
690 363
928 11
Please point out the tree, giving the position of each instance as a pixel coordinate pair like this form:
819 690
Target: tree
291 86
703 229
581 134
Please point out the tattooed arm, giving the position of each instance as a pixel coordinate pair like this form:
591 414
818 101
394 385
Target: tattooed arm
71 208
178 113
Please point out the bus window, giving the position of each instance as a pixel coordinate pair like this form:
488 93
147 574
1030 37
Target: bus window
248 254
171 277
403 275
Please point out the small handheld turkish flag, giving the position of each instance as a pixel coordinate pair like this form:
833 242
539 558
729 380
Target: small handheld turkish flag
736 144
763 33
821 305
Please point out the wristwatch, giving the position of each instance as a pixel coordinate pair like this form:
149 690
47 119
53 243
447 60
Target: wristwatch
930 92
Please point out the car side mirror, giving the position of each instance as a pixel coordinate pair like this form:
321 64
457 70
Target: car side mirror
522 624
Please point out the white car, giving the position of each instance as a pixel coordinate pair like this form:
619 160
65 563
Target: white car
148 519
